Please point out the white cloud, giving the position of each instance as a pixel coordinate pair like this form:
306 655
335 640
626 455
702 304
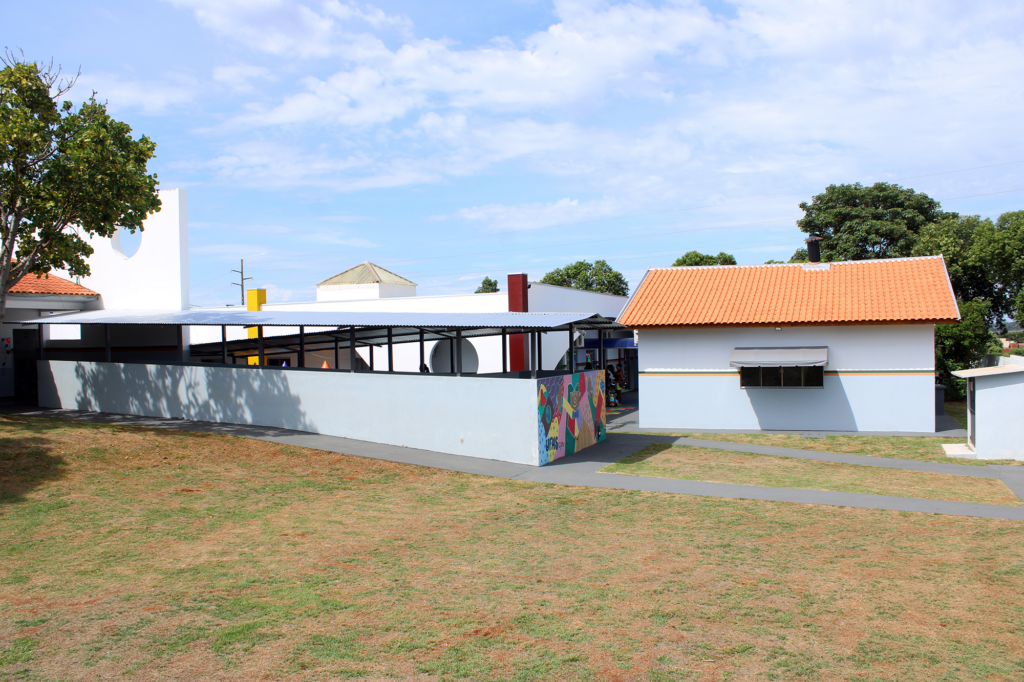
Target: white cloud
535 216
153 95
287 28
643 105
243 77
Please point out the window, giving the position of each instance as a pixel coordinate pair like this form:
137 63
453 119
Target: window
782 377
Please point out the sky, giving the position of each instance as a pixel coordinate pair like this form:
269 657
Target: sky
452 140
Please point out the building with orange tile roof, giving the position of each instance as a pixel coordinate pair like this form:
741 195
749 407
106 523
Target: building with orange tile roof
845 346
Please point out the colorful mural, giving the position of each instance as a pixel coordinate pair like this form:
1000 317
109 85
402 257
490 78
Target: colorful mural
570 413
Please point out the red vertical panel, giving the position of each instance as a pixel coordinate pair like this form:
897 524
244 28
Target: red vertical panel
518 302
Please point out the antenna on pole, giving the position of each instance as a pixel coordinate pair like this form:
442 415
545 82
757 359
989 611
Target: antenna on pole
241 274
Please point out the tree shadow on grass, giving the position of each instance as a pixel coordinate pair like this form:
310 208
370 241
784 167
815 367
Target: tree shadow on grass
646 453
26 462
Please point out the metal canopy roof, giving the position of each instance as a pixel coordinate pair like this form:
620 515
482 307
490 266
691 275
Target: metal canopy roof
272 318
811 356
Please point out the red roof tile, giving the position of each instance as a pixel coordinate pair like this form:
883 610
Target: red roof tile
899 290
49 284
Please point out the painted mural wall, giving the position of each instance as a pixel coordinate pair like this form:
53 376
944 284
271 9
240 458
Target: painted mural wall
570 413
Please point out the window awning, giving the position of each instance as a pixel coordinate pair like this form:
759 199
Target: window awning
810 356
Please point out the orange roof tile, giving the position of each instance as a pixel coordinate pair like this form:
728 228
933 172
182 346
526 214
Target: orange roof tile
898 290
49 285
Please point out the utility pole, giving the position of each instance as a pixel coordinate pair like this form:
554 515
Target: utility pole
241 273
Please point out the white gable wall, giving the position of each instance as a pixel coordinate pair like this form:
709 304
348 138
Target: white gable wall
999 410
879 378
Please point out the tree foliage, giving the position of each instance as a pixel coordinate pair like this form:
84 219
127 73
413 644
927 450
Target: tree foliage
691 258
488 286
861 223
1010 231
962 345
64 173
599 277
799 256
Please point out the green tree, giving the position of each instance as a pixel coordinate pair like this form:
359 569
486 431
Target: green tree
488 286
962 345
972 249
64 173
799 256
691 258
599 277
775 262
1010 231
861 223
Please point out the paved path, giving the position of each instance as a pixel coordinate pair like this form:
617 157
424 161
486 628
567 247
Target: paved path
582 468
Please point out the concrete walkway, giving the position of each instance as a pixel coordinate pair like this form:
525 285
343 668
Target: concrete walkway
582 468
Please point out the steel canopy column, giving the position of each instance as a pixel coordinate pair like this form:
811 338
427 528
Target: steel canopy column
458 352
371 356
600 349
302 346
540 352
533 355
391 352
451 355
572 349
224 344
351 349
259 337
106 342
422 360
504 350
336 352
181 346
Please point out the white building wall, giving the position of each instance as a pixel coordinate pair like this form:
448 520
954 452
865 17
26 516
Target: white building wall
472 416
999 410
878 378
156 276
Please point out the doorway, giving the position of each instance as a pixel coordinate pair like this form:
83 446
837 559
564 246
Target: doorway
971 427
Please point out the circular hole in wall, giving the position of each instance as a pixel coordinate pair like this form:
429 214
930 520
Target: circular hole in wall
440 358
127 243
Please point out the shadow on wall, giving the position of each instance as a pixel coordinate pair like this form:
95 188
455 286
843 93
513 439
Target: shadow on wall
216 394
803 409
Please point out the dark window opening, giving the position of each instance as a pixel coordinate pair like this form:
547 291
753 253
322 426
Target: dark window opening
782 377
814 377
750 376
771 377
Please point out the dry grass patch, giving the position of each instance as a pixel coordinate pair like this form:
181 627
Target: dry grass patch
134 553
723 466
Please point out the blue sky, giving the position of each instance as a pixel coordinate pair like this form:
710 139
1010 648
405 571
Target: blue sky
451 140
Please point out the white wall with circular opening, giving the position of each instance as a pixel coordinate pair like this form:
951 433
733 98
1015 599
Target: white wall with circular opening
440 358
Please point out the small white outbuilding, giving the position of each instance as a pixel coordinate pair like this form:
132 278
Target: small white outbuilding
995 411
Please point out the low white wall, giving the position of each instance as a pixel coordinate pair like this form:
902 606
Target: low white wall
999 410
846 403
472 416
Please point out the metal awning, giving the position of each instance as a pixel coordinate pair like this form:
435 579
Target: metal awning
807 356
334 319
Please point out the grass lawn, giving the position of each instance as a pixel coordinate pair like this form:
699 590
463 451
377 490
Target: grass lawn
958 411
722 466
132 553
924 449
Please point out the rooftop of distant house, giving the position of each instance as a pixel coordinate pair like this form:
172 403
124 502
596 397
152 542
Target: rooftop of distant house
366 273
